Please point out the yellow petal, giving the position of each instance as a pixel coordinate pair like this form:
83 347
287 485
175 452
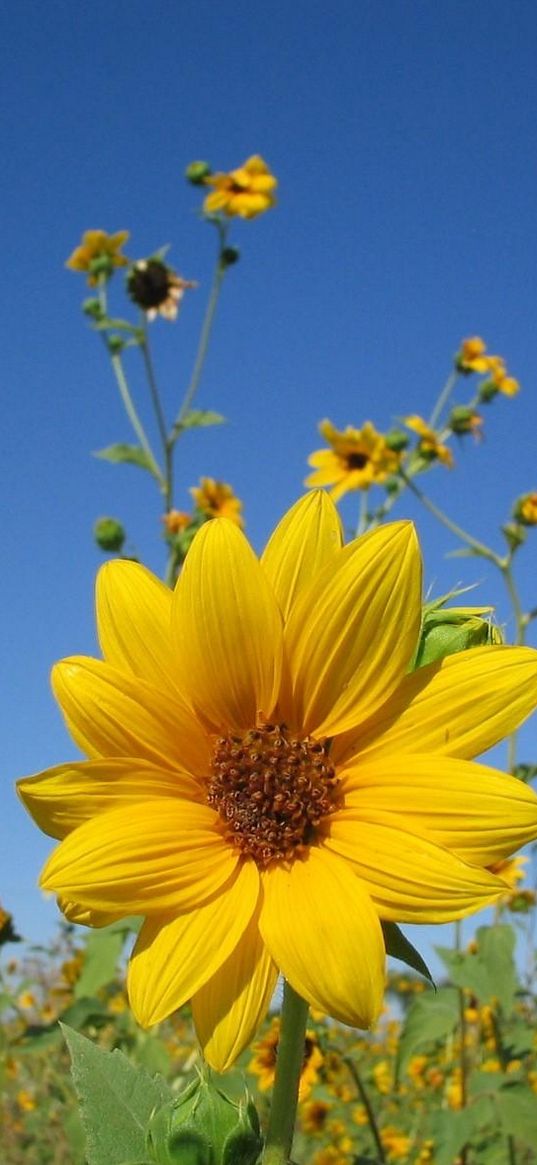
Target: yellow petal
476 812
227 626
109 713
308 537
150 858
134 623
231 1006
409 878
62 798
351 633
321 929
174 957
74 912
459 707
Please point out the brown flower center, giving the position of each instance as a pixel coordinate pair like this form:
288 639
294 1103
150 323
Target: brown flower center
271 791
357 460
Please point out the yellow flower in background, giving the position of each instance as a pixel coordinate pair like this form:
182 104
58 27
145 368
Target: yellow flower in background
357 459
263 1064
244 192
175 521
265 779
429 446
471 356
25 1100
314 1115
525 509
499 379
98 248
216 499
395 1142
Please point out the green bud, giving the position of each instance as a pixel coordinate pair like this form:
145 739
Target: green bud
203 1126
92 307
453 629
109 534
229 256
514 534
115 344
102 266
197 172
463 420
397 440
487 391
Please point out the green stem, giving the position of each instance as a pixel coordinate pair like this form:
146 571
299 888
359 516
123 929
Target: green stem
159 414
463 1059
362 514
134 419
443 399
479 547
352 1069
521 622
294 1017
205 335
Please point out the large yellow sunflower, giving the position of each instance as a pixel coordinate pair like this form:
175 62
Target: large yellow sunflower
266 782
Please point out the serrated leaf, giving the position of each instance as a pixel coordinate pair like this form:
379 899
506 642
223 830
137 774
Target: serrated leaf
429 1018
400 947
517 1107
103 949
127 455
116 1101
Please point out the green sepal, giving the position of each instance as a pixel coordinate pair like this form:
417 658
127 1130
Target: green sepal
399 947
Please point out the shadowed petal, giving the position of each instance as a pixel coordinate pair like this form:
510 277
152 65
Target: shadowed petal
409 878
476 812
351 634
174 957
109 713
231 1006
308 537
459 707
62 798
227 627
321 929
153 857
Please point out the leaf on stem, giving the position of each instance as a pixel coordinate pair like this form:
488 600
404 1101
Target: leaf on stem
129 455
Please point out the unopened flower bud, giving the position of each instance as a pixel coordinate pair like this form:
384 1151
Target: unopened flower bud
229 256
448 630
101 267
514 534
463 420
92 307
115 344
487 391
204 1127
397 440
197 172
109 534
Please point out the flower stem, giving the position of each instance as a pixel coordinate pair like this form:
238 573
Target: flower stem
159 414
294 1017
134 419
443 398
364 1097
479 547
205 335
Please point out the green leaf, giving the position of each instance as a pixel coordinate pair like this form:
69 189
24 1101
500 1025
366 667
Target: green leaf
103 948
517 1107
116 1100
400 947
199 419
490 972
128 455
429 1018
453 1130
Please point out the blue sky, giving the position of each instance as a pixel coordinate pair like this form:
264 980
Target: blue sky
403 136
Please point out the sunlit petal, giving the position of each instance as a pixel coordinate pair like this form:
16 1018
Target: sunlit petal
227 625
174 957
352 632
150 858
321 929
63 798
112 714
232 1004
409 878
306 539
134 623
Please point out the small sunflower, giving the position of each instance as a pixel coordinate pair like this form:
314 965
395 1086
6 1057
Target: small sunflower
217 499
471 356
156 288
98 254
356 459
430 447
245 192
525 509
266 781
263 1064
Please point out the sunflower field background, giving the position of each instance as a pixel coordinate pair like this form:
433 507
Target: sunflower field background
264 283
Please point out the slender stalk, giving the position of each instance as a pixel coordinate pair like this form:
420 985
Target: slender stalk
159 414
352 1069
463 1059
474 543
361 525
132 414
205 335
443 398
294 1017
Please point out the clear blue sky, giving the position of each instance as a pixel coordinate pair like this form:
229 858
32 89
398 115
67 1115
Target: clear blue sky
403 136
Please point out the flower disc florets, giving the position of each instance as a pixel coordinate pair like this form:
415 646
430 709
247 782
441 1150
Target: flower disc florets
271 791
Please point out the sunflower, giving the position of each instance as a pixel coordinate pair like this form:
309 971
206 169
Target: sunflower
265 781
98 253
265 1052
217 499
245 192
356 459
430 447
